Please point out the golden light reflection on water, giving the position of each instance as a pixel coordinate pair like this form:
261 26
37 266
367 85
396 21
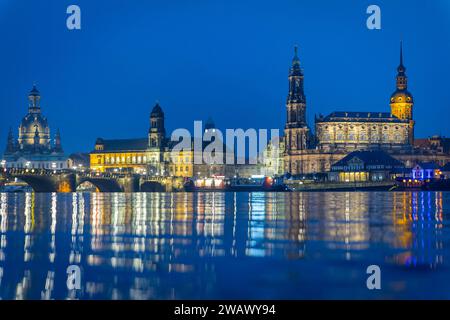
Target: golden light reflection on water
164 245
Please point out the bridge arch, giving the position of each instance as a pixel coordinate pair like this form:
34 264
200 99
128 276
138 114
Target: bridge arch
87 186
39 184
102 185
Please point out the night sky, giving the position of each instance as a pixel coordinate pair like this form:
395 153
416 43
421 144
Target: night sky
227 60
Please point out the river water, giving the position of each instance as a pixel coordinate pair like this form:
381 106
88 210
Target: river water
224 245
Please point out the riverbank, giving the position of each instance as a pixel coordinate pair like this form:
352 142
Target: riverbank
340 186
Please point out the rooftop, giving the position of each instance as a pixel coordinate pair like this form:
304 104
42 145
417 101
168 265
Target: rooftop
139 144
368 159
359 116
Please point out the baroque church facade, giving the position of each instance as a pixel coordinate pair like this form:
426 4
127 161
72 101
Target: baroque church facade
34 148
342 132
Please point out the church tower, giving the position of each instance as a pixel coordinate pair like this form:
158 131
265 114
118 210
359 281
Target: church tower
402 100
296 130
157 132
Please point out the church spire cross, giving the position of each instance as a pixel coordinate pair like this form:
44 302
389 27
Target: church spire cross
401 68
296 60
401 53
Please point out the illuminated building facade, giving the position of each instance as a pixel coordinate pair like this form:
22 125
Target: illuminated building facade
349 131
361 166
214 154
143 155
34 148
181 164
119 155
342 132
426 171
273 159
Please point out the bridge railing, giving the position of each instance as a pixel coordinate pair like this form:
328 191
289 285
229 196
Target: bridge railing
12 172
27 171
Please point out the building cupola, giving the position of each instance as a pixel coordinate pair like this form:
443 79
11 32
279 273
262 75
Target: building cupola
34 98
402 101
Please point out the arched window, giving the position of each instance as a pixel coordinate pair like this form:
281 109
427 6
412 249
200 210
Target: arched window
293 115
351 136
363 136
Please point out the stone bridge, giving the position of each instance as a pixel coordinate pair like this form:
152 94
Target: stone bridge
42 180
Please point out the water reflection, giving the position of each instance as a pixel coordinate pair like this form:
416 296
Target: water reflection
217 245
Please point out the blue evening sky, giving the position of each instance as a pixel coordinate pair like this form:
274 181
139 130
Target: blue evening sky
225 59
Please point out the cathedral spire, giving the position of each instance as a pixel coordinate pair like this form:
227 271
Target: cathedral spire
296 129
295 68
295 60
296 93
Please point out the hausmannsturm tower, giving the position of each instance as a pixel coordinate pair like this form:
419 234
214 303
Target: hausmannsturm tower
297 133
402 100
